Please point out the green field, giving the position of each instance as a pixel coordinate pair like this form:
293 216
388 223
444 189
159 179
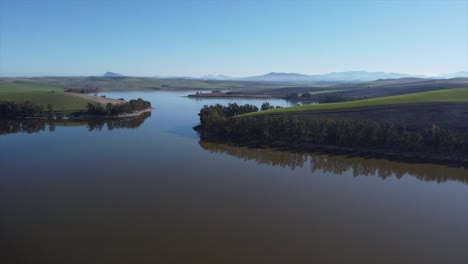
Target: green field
458 95
146 83
42 93
326 91
152 83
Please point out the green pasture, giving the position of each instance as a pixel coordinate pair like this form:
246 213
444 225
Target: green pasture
440 96
42 93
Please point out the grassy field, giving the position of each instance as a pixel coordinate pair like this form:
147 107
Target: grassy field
145 83
458 95
40 93
325 91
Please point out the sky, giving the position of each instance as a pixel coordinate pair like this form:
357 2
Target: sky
235 38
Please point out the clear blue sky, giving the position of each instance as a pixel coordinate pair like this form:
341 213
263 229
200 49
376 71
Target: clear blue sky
236 38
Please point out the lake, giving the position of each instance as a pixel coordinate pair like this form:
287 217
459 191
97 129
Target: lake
147 191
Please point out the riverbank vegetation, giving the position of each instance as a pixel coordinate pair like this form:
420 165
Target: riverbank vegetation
25 109
28 109
221 123
118 109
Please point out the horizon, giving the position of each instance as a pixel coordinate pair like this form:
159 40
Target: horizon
234 77
195 39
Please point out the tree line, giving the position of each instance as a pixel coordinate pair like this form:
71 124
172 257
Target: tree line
25 109
218 122
29 109
209 114
117 109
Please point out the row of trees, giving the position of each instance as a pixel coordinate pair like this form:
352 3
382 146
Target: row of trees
433 140
117 109
213 112
29 109
26 109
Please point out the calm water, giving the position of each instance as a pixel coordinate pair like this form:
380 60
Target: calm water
148 191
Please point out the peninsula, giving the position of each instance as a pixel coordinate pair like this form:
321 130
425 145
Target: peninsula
435 131
25 98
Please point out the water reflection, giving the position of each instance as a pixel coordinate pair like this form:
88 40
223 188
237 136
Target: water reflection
30 126
338 165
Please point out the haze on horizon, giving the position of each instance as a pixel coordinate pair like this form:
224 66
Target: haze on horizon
234 38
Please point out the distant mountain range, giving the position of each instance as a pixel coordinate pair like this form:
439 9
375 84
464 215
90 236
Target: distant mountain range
113 74
455 75
217 77
348 76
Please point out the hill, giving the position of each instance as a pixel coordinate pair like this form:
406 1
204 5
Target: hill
446 108
44 93
461 74
112 74
348 76
457 95
126 83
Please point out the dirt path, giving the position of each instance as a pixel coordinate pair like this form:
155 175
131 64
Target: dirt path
97 99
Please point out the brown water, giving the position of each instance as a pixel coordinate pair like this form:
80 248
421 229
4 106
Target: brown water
150 192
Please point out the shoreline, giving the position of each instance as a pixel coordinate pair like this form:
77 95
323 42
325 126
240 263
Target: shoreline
80 117
368 153
240 96
125 115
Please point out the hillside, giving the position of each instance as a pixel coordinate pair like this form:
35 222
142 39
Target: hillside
381 88
112 74
44 93
458 95
339 77
446 108
146 83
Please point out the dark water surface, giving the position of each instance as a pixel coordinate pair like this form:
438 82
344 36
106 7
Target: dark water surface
148 192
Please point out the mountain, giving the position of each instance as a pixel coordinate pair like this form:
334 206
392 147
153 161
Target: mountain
112 74
175 77
281 77
349 76
219 77
332 77
366 76
454 75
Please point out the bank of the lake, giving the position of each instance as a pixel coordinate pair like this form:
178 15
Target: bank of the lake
113 109
426 135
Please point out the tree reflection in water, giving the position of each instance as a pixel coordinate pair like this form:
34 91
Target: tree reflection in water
338 165
13 126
